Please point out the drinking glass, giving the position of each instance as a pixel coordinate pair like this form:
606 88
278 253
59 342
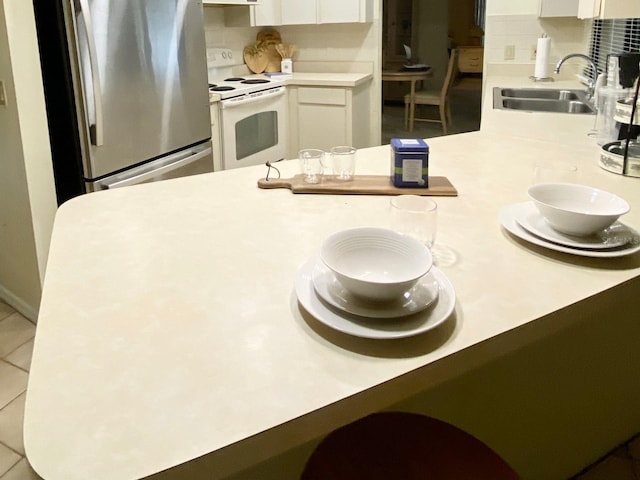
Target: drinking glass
416 216
312 164
343 162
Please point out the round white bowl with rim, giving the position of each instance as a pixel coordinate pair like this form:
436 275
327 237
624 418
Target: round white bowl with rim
376 264
577 210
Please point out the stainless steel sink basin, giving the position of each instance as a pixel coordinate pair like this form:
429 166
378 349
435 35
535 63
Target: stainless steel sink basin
542 100
546 93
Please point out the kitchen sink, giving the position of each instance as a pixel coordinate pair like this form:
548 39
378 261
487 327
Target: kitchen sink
542 100
546 93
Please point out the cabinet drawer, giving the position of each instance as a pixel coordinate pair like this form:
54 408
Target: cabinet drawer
471 66
470 60
322 96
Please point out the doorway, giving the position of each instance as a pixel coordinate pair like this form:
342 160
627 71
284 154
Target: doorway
431 29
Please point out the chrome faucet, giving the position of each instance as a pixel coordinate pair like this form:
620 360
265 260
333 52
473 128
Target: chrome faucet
588 59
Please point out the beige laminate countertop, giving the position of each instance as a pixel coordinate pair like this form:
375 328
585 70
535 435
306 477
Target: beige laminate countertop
348 80
316 79
169 328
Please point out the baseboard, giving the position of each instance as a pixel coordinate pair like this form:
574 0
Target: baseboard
24 308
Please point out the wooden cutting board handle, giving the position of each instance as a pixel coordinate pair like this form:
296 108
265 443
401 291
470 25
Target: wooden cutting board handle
360 185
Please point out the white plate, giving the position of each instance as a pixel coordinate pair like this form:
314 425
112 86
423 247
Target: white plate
374 327
508 220
616 235
327 286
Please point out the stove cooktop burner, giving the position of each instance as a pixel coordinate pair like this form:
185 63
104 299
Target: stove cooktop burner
252 81
222 88
234 79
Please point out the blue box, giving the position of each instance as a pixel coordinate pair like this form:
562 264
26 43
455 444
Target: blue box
409 162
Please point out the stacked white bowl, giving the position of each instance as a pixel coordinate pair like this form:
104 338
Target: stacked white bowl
577 210
376 264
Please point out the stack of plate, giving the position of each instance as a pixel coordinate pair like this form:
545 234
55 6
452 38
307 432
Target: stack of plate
425 306
525 221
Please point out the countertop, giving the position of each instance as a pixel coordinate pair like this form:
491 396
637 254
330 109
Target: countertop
317 79
348 80
169 328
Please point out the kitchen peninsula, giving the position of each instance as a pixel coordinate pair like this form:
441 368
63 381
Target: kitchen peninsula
170 343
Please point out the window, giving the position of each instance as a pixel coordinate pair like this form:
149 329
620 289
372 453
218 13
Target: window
612 36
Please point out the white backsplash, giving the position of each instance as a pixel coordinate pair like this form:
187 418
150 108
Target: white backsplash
567 35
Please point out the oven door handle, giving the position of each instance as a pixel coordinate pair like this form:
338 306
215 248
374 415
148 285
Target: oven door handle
258 98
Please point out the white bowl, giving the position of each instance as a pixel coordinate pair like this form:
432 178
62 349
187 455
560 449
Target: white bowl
577 210
375 263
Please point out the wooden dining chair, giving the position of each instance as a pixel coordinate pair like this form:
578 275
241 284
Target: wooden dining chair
407 446
439 98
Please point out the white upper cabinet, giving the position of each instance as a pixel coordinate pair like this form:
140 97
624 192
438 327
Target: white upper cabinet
298 12
308 12
231 2
559 8
267 14
345 11
609 9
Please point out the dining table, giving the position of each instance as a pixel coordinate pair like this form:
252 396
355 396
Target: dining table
413 76
178 335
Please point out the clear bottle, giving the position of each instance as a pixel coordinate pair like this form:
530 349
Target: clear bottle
606 125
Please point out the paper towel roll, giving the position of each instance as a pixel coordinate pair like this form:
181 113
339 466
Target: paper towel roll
542 58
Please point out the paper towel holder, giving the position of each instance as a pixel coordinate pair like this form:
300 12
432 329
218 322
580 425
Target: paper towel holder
541 73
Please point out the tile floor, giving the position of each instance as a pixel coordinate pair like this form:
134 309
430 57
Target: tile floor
16 345
17 333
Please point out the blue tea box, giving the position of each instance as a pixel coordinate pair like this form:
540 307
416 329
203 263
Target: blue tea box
409 162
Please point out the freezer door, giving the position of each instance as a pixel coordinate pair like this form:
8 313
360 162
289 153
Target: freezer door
191 161
142 65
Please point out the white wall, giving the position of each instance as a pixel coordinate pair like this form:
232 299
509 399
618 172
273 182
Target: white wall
512 7
27 192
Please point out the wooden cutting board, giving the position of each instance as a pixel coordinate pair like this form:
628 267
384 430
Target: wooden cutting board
361 185
256 60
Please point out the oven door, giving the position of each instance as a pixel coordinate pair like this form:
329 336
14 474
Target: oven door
254 128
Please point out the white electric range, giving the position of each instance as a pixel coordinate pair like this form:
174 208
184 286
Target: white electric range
253 111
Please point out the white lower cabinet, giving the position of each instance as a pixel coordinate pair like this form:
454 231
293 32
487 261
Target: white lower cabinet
325 117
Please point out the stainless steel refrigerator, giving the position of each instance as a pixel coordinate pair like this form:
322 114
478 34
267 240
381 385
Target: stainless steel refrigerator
126 91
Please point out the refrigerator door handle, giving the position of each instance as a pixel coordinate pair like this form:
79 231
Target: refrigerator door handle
179 163
95 130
